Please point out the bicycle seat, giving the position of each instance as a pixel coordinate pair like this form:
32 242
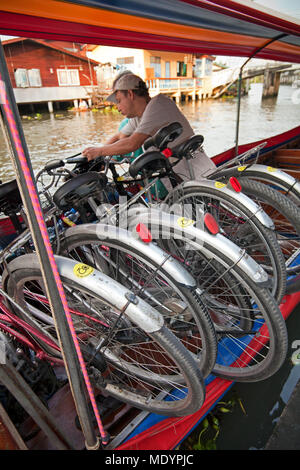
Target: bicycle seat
189 146
148 163
75 192
10 198
165 135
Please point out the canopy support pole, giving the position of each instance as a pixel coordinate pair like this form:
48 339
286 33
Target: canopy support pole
59 307
240 87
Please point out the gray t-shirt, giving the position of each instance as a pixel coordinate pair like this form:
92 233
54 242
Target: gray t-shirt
159 112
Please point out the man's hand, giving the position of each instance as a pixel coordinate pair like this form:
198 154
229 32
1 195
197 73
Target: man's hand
92 152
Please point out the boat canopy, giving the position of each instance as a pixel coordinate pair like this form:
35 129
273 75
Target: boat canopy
222 27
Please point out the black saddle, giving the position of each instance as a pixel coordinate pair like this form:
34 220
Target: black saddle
148 163
75 192
10 198
186 148
165 135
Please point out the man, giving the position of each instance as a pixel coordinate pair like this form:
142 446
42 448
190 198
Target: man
146 116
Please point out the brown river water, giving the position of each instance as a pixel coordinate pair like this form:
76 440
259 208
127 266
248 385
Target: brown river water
64 133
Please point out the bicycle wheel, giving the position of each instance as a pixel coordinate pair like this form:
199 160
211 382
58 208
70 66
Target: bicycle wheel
151 371
277 178
285 215
252 337
152 277
251 332
238 225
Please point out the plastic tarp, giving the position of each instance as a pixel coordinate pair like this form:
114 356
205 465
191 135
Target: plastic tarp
222 27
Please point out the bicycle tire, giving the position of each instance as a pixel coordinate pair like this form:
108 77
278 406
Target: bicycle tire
285 215
238 224
173 394
234 361
271 179
131 267
216 274
277 178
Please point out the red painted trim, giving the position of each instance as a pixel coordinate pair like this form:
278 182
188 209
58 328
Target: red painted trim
34 27
272 141
168 433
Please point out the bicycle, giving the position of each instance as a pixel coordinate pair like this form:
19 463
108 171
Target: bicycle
233 292
240 220
124 322
247 165
277 193
284 212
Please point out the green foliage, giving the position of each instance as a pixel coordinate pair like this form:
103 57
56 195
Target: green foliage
205 437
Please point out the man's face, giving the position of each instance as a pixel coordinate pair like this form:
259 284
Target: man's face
125 103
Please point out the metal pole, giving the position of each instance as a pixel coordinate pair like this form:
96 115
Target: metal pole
240 88
25 178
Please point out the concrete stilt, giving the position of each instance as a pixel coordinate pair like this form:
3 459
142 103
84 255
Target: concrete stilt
271 84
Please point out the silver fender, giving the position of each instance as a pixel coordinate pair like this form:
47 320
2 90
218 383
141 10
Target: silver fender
171 225
131 239
137 311
243 199
275 173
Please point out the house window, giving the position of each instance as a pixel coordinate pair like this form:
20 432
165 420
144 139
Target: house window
68 77
34 77
208 67
125 60
21 78
181 69
27 78
155 63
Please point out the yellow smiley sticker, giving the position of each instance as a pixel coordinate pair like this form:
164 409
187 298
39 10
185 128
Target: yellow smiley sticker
271 169
183 222
242 168
82 270
219 185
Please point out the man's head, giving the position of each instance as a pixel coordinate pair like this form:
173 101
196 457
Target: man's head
128 88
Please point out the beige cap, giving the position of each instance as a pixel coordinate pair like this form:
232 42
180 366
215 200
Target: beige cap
127 82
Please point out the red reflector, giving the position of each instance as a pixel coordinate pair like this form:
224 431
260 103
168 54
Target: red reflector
144 233
235 184
211 224
167 153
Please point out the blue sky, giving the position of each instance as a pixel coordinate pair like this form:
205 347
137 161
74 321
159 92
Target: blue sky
288 7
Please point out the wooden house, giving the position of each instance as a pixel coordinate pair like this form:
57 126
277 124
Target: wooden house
45 71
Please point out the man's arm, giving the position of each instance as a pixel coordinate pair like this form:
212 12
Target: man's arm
121 146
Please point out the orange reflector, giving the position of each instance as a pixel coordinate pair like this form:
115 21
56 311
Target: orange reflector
144 233
167 152
235 184
211 224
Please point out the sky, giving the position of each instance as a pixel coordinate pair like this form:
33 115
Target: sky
289 7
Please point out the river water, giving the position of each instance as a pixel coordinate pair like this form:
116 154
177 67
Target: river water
64 133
